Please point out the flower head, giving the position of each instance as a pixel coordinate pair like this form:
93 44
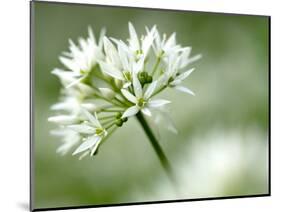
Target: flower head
140 47
110 81
92 131
120 64
142 99
81 58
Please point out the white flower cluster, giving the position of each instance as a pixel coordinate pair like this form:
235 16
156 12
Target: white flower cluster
108 81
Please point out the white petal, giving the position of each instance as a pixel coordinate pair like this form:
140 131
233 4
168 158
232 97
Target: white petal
66 54
95 147
138 66
63 119
75 82
102 34
184 75
91 118
148 40
69 63
82 128
175 82
121 44
164 117
70 140
150 89
172 128
158 102
129 96
86 144
65 77
90 106
131 111
184 56
127 84
171 41
194 58
107 93
146 111
185 90
84 155
74 49
134 41
85 89
108 46
111 70
63 106
64 74
91 34
111 52
137 86
123 56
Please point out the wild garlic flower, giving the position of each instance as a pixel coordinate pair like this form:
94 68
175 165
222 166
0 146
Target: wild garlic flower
164 47
106 83
81 58
94 131
142 99
140 47
120 64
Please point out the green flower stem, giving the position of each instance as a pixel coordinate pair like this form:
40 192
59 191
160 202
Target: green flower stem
163 159
156 66
123 99
113 128
131 89
159 90
110 121
112 110
107 117
110 124
110 131
98 73
108 100
124 103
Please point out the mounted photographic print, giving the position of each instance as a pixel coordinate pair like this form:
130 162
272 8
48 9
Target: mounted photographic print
138 105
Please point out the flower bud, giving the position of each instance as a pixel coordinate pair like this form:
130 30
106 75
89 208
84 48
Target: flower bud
148 79
118 115
119 122
142 76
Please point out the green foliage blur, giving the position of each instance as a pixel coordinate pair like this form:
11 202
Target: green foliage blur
222 145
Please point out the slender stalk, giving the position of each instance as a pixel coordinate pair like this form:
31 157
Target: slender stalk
159 90
108 100
105 122
110 124
124 103
109 133
113 128
112 110
160 153
107 117
156 66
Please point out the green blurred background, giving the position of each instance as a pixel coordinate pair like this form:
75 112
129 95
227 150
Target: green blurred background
222 145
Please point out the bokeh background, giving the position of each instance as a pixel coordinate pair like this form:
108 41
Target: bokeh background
222 145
